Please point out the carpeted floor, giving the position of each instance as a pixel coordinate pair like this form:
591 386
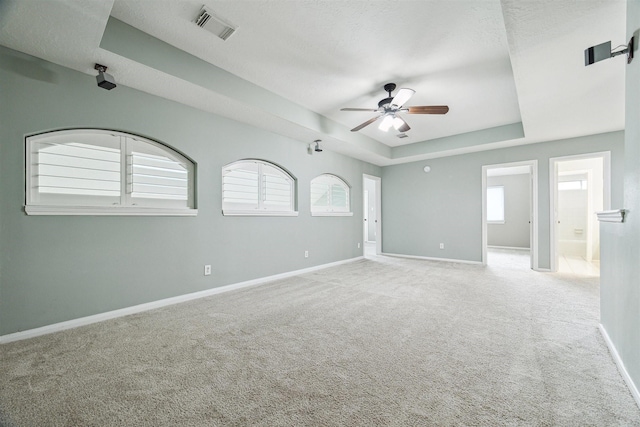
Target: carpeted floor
382 341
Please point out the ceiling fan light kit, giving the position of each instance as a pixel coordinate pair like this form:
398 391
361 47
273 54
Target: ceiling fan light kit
386 123
390 107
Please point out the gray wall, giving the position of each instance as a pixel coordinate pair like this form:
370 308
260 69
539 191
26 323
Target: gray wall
620 243
56 268
515 232
421 210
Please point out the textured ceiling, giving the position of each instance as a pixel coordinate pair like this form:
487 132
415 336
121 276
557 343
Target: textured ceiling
325 55
511 71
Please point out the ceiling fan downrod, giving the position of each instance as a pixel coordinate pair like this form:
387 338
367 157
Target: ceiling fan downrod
389 87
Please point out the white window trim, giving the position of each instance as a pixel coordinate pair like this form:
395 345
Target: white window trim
258 213
107 211
329 212
262 211
35 208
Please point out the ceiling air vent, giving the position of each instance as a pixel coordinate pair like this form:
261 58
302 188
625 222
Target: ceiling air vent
402 135
214 24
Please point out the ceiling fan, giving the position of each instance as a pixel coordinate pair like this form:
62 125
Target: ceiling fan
391 106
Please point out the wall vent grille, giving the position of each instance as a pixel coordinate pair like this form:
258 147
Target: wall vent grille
214 24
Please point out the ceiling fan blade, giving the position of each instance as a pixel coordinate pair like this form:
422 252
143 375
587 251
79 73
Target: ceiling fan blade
367 123
403 95
357 109
428 109
404 127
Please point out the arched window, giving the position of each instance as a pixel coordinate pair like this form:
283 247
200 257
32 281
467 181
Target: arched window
256 187
329 196
101 172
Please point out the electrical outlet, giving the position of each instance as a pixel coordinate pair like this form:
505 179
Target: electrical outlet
441 245
207 270
306 254
358 245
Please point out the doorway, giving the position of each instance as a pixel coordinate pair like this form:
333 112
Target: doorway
372 206
509 215
580 187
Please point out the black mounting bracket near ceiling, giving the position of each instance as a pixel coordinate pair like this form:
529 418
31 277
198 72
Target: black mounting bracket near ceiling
105 81
603 51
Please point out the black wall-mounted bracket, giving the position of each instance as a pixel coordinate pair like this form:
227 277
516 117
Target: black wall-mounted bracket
628 50
603 51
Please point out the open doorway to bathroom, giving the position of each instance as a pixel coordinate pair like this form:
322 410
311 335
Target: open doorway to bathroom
580 187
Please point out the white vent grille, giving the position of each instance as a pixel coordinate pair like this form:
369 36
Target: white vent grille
214 24
402 135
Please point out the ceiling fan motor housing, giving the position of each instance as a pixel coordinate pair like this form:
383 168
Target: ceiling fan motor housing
385 102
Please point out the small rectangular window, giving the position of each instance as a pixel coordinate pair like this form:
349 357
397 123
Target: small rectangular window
572 185
495 204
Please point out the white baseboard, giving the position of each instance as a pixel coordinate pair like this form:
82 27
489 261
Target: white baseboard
82 321
512 248
460 261
623 371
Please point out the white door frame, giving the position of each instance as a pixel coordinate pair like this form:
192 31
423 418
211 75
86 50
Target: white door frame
533 206
365 212
378 207
553 196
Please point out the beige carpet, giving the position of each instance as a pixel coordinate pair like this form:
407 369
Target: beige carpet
385 341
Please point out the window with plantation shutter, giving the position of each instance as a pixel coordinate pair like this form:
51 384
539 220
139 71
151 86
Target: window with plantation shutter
329 196
154 176
98 172
256 187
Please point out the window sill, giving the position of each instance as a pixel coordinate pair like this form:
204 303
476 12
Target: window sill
107 211
258 213
331 213
495 222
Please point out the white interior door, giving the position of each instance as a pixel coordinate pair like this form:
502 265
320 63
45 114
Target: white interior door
372 186
365 211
